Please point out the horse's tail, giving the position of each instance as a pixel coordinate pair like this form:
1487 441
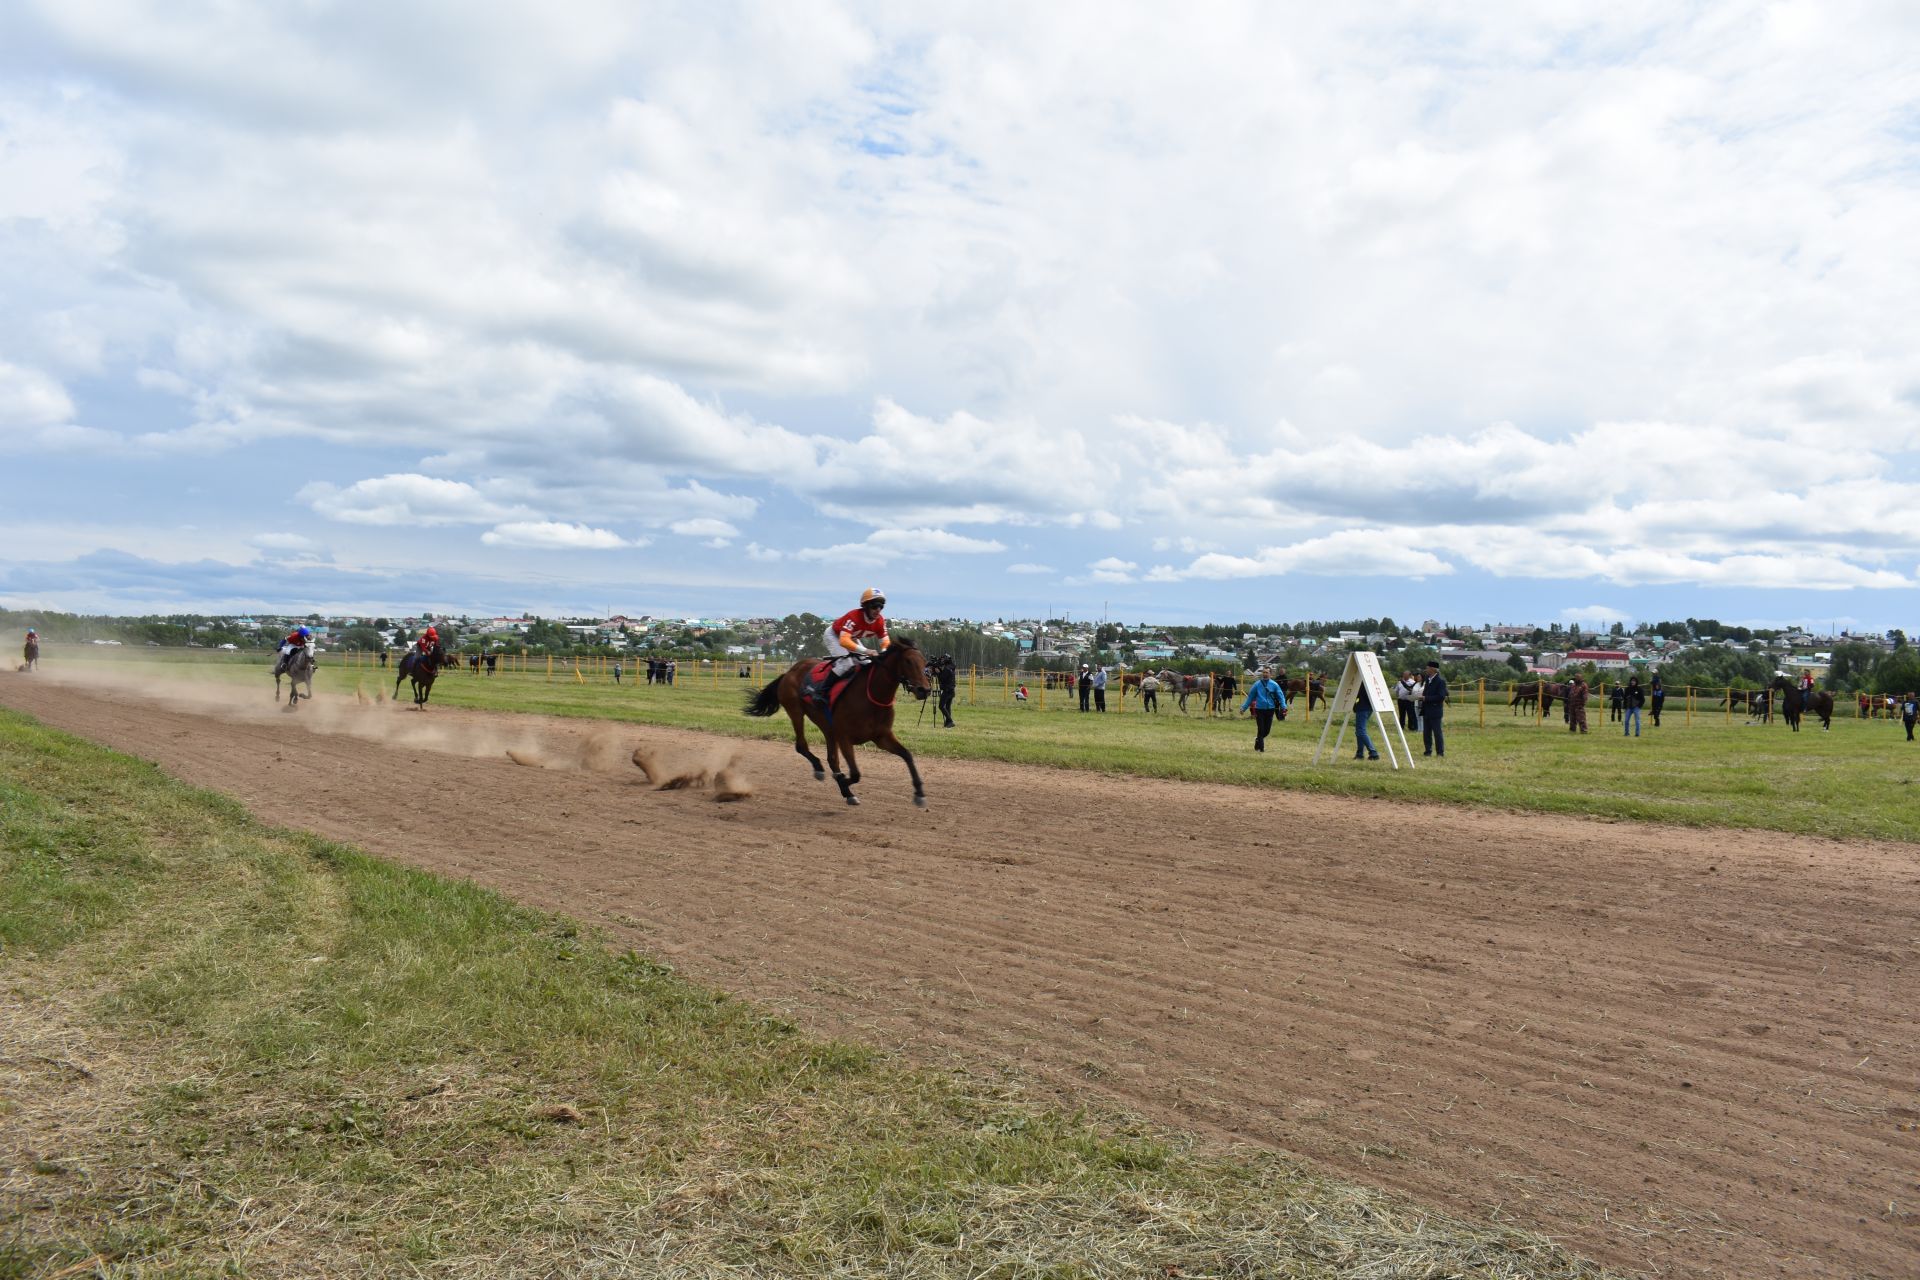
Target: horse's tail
765 702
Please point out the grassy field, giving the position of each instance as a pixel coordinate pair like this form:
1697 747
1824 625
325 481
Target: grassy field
237 1050
1718 770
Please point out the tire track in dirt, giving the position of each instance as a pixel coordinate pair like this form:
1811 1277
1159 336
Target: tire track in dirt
1683 1052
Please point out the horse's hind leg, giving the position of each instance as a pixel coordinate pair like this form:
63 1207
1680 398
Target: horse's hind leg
887 742
800 744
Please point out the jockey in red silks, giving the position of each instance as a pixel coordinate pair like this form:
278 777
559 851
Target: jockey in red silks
428 639
296 639
845 633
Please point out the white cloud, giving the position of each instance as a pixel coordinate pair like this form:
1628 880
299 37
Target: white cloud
404 499
883 546
1029 568
1617 296
1351 553
548 535
705 527
31 399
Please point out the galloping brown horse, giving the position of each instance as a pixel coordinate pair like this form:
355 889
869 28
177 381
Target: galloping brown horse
863 713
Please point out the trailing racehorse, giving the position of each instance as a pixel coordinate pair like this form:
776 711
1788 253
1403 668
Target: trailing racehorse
861 711
422 668
297 667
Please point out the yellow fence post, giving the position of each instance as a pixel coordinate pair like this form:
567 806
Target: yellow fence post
1004 696
1483 702
1729 715
1689 706
972 671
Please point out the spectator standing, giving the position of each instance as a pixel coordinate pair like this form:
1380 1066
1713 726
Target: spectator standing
616 673
1362 709
1909 712
948 676
1577 705
1631 697
1403 695
1616 702
1657 700
1150 694
1086 687
1264 697
1433 710
1100 689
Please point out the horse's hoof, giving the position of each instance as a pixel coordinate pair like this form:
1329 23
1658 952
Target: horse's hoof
819 775
919 802
853 799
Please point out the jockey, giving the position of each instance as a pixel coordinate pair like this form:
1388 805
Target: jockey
296 639
845 633
428 639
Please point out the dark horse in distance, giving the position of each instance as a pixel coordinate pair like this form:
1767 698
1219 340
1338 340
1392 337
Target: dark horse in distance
1794 702
422 667
863 712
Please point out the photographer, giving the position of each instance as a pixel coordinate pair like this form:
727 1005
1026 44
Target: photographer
942 670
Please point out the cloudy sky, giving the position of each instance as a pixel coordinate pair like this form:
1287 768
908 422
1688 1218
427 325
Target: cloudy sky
1233 311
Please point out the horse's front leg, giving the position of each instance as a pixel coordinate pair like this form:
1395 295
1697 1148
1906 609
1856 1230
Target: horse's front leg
887 742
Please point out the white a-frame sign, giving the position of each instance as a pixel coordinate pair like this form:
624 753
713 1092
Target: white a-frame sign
1363 672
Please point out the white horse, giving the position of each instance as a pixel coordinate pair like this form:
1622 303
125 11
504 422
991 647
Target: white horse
298 668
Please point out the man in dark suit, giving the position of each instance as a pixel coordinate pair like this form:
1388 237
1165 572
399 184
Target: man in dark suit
1433 705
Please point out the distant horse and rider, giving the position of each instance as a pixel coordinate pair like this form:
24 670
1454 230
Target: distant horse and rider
296 664
848 712
1795 702
31 653
421 667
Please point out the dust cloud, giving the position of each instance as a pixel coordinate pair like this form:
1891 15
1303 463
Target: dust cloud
353 705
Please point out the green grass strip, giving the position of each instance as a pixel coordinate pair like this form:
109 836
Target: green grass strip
236 1050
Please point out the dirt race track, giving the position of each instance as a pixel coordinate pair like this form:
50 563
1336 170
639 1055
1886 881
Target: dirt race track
1683 1053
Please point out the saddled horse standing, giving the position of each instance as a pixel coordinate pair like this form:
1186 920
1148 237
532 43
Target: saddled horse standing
1794 702
861 712
421 668
297 667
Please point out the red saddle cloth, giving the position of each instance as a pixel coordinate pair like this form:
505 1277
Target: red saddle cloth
816 688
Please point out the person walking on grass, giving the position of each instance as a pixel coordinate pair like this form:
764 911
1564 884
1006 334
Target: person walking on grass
1100 690
1631 697
1086 687
1433 710
1909 712
1577 705
1264 697
1150 693
1362 710
1657 700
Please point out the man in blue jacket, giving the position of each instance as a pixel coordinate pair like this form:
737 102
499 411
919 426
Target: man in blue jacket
1264 697
1433 705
